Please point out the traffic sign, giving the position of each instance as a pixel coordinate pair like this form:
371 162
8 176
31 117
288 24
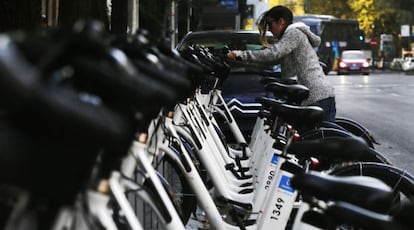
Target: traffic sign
373 42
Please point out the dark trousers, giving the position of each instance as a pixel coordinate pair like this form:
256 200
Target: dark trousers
329 107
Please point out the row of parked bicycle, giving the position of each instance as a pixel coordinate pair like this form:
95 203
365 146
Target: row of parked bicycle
121 133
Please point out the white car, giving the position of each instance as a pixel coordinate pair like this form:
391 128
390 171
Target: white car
408 64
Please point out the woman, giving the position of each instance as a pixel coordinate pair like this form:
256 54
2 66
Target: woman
294 50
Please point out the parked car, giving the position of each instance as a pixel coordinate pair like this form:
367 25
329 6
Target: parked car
396 64
243 85
353 61
407 64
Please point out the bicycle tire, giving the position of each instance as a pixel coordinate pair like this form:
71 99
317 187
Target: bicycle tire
398 179
357 129
179 190
371 156
324 132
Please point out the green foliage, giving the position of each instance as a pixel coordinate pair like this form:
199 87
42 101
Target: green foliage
405 13
367 13
375 16
336 8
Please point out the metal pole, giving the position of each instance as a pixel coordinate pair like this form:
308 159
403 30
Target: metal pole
189 15
173 24
52 12
133 16
43 6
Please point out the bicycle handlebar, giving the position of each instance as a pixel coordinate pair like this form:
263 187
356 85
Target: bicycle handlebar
63 108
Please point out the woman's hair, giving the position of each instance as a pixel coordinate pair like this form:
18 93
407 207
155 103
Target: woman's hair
275 14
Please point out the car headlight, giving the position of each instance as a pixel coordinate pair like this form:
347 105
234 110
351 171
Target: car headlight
365 64
342 64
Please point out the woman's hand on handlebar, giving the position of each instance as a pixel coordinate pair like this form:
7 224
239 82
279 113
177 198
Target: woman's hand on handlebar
231 55
234 55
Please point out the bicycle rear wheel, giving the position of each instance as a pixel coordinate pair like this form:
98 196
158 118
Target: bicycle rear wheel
357 129
399 180
371 155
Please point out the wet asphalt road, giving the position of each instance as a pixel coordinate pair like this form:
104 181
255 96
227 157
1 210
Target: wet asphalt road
383 102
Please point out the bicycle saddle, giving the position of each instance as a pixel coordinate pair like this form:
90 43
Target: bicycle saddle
269 73
334 148
283 80
300 117
293 94
364 191
353 215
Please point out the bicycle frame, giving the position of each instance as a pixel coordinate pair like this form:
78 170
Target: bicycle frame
117 185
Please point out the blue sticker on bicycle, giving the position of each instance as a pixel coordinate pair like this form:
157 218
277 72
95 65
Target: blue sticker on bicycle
285 184
275 159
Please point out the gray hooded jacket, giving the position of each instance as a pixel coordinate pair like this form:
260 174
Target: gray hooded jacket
294 52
